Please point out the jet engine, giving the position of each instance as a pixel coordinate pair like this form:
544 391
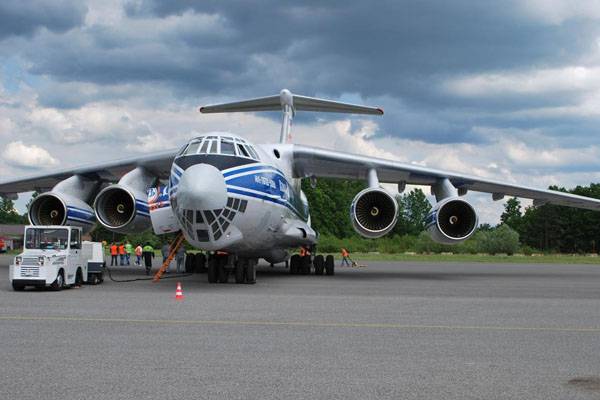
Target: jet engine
123 207
373 212
65 204
451 221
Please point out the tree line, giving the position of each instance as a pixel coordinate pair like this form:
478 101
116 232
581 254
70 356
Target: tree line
545 228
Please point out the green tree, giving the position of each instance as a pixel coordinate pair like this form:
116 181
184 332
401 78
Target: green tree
330 204
502 239
512 215
8 214
413 210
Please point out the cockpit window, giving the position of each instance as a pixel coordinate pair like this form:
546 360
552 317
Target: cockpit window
242 151
192 148
252 152
227 147
204 147
213 147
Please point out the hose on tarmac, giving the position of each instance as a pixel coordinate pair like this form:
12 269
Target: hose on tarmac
143 279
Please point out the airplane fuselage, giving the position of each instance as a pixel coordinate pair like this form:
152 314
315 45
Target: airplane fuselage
232 196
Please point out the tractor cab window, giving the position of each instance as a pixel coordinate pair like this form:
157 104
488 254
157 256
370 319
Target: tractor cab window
75 239
46 239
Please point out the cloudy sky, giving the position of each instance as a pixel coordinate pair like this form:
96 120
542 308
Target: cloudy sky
502 89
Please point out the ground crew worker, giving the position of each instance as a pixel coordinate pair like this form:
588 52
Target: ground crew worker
128 251
138 255
345 257
165 250
148 253
304 251
114 251
122 253
181 259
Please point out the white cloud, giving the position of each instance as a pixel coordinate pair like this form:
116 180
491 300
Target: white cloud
28 156
575 79
558 11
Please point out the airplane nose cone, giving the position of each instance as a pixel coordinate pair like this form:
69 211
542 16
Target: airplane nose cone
202 187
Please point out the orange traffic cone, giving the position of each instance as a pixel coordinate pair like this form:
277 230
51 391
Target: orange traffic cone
178 292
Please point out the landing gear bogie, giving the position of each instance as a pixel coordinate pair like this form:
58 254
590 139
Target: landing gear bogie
220 267
302 265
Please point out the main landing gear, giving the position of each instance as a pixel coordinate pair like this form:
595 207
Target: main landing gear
222 266
302 265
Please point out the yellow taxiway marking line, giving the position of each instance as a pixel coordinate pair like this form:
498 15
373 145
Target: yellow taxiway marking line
314 324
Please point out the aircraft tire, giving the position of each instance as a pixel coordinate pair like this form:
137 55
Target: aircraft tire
222 272
250 272
305 265
239 271
294 261
329 265
189 263
212 270
200 264
319 263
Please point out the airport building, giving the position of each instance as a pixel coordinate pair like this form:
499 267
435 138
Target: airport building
12 236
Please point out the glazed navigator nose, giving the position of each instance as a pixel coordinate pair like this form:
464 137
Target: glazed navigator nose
202 187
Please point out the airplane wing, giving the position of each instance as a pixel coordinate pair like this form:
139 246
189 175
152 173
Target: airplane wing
312 161
158 163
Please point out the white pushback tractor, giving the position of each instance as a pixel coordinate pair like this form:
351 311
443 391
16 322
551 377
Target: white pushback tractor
56 257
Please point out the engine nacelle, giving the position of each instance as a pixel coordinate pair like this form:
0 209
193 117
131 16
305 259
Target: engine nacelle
65 204
123 207
373 212
451 221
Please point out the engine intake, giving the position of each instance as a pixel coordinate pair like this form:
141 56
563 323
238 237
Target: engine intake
66 204
47 209
120 210
451 221
373 212
123 207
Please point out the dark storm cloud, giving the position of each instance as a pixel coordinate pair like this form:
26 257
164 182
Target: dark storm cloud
25 17
398 54
389 47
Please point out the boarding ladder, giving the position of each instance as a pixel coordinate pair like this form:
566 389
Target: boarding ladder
175 245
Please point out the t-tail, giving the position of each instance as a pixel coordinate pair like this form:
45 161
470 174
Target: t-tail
289 103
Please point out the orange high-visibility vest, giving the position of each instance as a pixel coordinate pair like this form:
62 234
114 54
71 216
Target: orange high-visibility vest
113 250
122 250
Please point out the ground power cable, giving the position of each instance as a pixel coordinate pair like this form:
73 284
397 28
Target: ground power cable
144 279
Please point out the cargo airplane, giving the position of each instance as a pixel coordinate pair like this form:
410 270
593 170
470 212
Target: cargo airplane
240 202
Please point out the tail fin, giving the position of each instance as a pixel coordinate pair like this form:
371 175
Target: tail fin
289 103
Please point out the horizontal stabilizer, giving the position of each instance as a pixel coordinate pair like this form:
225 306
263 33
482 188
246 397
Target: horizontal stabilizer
297 103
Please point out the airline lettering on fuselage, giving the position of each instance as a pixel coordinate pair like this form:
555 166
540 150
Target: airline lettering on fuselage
265 181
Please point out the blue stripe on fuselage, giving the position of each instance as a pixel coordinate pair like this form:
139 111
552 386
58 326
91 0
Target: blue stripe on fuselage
230 172
268 185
